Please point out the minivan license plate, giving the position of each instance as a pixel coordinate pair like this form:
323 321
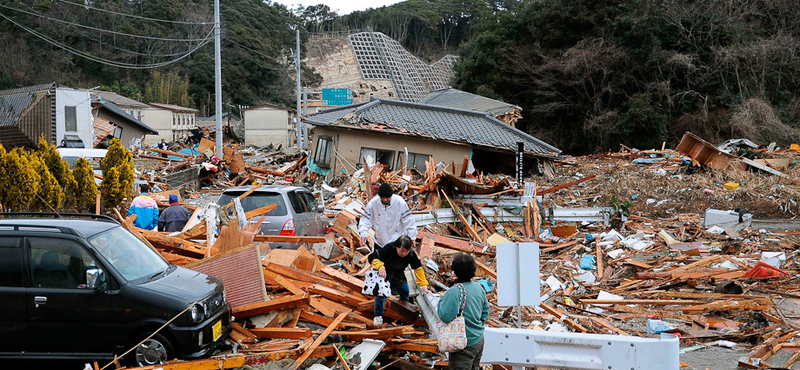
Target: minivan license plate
217 330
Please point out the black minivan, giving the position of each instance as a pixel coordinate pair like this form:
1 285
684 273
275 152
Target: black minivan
84 287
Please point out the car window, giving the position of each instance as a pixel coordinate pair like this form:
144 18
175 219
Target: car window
256 200
59 263
310 201
298 204
127 254
10 262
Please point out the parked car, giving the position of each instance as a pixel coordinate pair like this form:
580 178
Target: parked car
94 156
83 287
297 212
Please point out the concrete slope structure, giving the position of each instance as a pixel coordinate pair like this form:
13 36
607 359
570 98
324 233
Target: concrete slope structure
374 65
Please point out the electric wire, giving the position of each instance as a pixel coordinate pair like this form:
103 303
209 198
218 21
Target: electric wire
97 29
131 15
72 50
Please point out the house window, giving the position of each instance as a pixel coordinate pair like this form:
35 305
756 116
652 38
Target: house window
117 133
415 160
322 157
71 119
384 157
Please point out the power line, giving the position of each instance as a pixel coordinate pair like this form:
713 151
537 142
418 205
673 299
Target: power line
112 63
131 15
97 29
253 50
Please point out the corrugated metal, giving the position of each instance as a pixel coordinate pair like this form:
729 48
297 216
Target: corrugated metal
240 271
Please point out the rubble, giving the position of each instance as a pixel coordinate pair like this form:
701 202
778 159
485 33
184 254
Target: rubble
611 260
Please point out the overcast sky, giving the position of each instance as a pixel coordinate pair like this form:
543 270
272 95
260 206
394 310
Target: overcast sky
340 6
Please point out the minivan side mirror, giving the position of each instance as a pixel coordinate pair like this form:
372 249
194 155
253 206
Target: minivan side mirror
94 278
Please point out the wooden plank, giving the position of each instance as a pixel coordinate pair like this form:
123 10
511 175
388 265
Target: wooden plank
558 314
289 239
652 302
486 269
599 259
243 195
282 333
214 363
562 186
260 211
338 296
173 244
346 279
168 152
307 316
317 342
286 283
368 180
239 329
269 306
382 334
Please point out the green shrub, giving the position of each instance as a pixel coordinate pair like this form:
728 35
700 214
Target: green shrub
118 174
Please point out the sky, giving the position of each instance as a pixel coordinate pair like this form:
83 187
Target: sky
340 6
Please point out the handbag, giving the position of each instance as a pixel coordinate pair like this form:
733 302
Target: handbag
375 285
452 336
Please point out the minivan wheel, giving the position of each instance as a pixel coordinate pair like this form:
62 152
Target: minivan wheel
154 351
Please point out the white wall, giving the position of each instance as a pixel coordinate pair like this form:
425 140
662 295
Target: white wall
81 100
160 120
263 126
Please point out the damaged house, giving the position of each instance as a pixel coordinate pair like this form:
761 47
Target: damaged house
386 130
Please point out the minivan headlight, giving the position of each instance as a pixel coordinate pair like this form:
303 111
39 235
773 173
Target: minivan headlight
198 314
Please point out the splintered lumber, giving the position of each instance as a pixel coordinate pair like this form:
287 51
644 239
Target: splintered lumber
344 278
173 244
368 179
461 217
319 341
214 363
562 186
388 333
558 314
289 239
453 243
167 152
486 269
260 211
338 296
282 333
195 232
314 318
242 196
242 332
264 171
652 302
271 305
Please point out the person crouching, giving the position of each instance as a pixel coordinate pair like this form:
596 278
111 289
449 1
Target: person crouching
391 261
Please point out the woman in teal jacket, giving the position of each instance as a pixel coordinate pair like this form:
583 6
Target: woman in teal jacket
476 312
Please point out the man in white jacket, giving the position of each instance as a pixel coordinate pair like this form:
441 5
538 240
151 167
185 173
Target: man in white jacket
388 214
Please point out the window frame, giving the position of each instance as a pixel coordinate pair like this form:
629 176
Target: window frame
324 160
70 119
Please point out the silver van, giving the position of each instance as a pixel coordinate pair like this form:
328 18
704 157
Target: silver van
297 212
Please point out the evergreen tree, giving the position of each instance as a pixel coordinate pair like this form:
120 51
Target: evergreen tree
118 174
86 191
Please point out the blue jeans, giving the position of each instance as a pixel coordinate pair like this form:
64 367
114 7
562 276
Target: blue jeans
380 302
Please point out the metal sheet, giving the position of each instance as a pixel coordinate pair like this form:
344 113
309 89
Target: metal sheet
518 274
522 347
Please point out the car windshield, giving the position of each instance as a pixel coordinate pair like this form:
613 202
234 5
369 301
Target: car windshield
93 161
255 201
128 255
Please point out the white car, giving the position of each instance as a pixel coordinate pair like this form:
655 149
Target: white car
94 156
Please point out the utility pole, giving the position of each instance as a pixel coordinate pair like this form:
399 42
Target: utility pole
218 76
297 65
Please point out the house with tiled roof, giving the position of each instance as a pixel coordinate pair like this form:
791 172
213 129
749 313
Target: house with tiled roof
112 121
61 114
386 130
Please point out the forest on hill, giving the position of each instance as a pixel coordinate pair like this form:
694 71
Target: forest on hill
589 74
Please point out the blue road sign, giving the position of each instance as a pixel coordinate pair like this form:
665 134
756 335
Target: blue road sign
337 96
